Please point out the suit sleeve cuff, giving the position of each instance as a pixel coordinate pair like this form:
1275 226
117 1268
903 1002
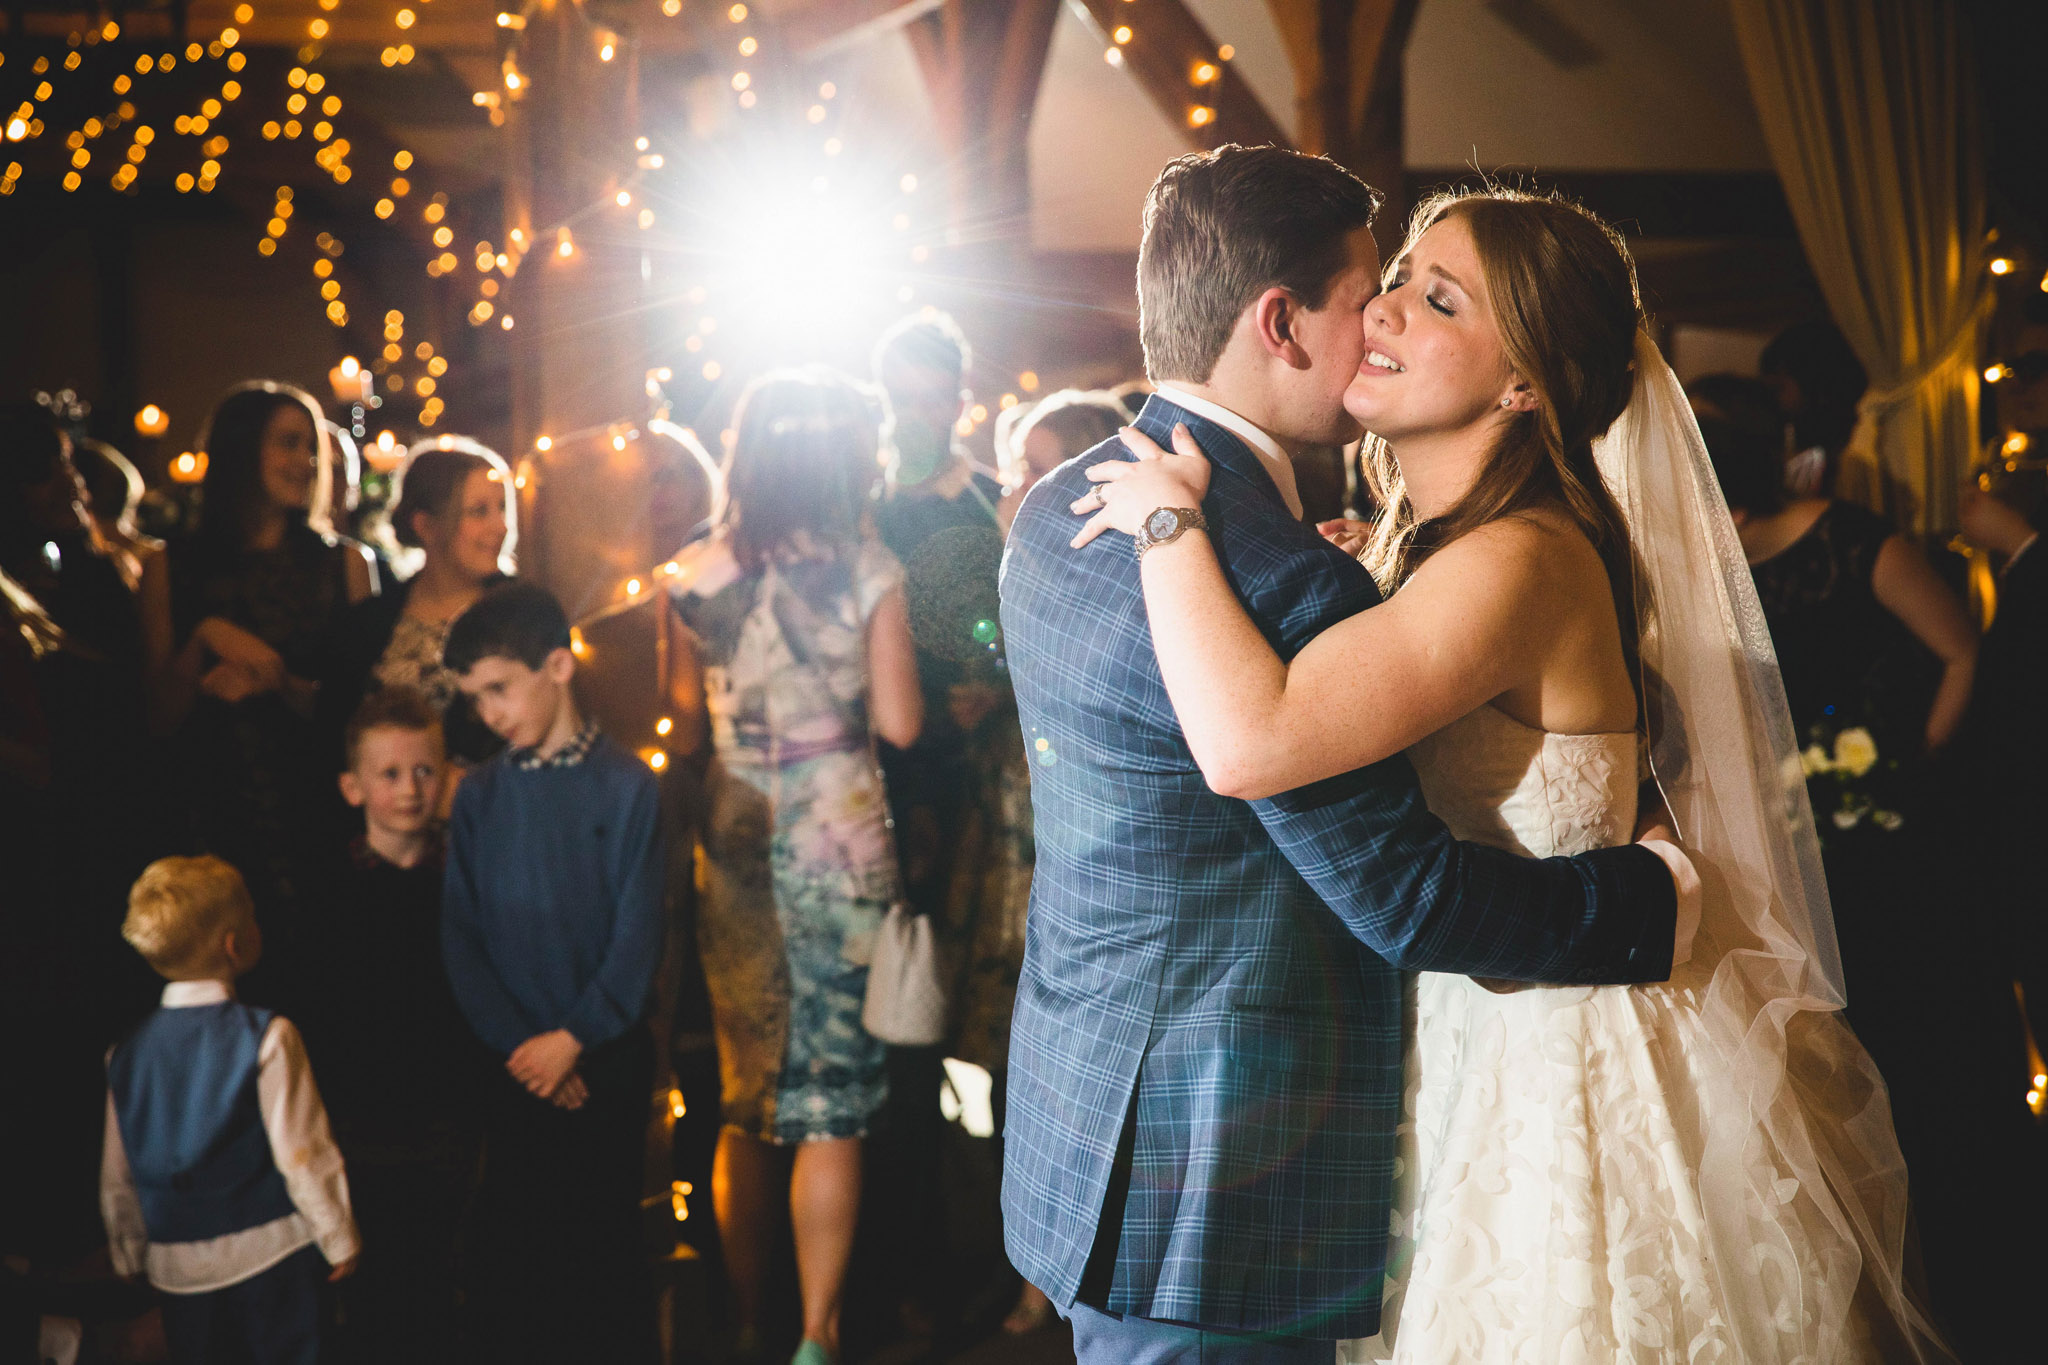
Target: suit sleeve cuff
1685 879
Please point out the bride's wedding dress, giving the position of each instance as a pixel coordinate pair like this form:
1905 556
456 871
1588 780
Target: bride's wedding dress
1701 1172
1545 1207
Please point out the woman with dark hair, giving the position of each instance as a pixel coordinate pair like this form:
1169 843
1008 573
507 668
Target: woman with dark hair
806 658
1866 631
1818 382
241 619
454 521
50 549
1642 1173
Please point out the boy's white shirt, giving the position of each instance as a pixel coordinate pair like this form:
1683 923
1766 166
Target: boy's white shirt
302 1145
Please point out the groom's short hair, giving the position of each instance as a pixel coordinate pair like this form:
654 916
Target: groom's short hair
1224 226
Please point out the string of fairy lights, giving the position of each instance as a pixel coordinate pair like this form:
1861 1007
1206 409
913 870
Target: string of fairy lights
313 113
2014 448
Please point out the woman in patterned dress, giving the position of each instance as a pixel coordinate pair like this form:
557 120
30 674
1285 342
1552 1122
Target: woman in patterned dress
806 655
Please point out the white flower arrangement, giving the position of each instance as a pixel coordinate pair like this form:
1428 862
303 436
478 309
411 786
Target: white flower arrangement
1840 770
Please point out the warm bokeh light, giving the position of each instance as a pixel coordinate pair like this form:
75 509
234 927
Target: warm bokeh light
152 421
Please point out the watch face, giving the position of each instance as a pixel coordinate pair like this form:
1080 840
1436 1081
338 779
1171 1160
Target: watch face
1162 523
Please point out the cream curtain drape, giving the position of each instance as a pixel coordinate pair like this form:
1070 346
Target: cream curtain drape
1869 109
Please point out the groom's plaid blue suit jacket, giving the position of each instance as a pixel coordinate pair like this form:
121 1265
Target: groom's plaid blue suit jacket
1222 974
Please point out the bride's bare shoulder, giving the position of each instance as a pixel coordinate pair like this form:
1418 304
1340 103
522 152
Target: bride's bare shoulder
1535 561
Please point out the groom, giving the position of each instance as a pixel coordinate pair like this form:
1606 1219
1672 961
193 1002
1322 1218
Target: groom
1206 1064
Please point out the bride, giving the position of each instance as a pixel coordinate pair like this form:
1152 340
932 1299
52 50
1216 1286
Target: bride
1698 1171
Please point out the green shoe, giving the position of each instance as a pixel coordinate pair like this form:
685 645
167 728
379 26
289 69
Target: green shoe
811 1353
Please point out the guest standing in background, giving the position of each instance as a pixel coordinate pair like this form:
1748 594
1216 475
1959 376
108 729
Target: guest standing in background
82 819
398 1067
113 493
804 639
937 515
1818 381
49 544
452 510
241 621
2006 747
551 928
219 1179
1868 635
1056 428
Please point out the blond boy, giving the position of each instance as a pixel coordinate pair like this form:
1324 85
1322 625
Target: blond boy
219 1178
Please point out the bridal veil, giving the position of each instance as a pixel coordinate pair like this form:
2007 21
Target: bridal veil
1798 1095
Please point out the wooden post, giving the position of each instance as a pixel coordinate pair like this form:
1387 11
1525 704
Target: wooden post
1347 58
982 62
1168 53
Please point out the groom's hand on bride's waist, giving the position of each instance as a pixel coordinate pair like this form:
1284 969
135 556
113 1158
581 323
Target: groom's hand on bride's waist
1685 879
1656 831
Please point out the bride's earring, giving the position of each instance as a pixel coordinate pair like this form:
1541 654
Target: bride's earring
1507 402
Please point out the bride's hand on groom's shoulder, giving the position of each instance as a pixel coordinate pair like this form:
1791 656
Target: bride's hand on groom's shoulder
1128 491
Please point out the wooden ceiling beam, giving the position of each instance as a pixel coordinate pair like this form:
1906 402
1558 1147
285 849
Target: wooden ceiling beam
818 30
983 61
1167 52
1348 57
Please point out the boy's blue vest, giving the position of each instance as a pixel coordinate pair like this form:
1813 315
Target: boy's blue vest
184 1087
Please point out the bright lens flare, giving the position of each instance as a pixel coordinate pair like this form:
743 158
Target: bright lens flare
810 250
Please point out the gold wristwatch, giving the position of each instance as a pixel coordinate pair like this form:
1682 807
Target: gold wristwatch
1168 524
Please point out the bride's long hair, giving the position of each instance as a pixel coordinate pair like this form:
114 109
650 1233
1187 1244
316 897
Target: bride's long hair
1563 290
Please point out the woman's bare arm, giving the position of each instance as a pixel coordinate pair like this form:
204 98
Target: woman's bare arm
895 701
1907 587
1468 626
171 675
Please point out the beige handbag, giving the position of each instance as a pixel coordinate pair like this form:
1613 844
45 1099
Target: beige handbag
905 1005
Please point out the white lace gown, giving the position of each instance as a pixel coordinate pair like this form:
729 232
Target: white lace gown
1545 1210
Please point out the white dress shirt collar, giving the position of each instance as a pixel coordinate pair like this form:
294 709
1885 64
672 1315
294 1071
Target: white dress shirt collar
179 994
1262 445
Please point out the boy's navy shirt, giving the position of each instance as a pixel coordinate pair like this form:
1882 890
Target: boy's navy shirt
398 1064
551 912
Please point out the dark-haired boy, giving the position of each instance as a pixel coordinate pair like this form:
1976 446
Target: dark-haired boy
400 1067
552 927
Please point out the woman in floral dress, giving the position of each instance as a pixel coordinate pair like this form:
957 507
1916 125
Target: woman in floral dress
806 655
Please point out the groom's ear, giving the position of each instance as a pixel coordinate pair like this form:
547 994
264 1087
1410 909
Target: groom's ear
1274 317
